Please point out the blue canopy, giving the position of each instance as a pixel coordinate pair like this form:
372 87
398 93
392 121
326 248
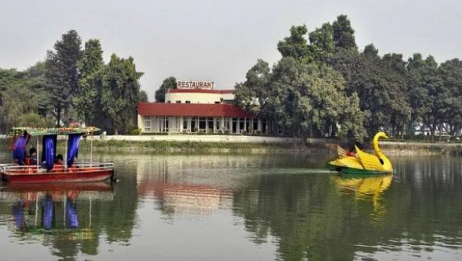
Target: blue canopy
72 148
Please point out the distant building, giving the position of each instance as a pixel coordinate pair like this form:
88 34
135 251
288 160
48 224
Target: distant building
197 107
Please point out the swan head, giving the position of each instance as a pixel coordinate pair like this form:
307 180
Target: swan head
380 134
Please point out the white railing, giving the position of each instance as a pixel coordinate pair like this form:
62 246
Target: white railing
25 168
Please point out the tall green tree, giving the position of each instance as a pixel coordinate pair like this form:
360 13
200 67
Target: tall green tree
19 108
344 34
62 72
20 99
36 80
393 72
296 45
167 84
427 92
451 75
380 84
85 99
322 44
253 94
310 100
119 92
143 96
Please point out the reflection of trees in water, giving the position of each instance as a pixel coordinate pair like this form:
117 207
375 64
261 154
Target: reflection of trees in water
315 218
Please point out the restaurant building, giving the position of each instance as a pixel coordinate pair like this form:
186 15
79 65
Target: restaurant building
197 107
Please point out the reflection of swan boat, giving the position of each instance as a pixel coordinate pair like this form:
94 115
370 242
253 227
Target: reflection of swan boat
363 187
48 171
364 163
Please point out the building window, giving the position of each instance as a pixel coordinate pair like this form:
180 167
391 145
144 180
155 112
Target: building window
202 124
147 123
147 129
178 101
185 123
210 124
188 101
217 102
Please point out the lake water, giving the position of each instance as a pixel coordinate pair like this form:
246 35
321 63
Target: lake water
239 207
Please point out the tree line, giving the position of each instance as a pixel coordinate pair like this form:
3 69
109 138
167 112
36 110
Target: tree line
72 84
325 86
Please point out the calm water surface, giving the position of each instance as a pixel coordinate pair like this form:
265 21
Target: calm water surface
230 207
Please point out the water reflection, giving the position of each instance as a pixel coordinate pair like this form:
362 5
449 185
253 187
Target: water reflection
57 215
366 189
251 207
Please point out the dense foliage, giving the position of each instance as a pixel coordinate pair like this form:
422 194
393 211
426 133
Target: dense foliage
72 85
167 84
325 86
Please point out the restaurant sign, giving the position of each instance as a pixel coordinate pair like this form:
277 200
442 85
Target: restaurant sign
203 85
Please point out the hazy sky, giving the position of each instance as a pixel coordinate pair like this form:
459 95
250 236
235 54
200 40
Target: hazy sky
219 40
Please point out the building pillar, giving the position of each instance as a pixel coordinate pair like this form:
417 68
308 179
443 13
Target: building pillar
154 124
214 124
230 124
238 126
245 125
141 122
197 123
259 126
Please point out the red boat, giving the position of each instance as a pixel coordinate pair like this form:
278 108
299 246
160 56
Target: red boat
48 171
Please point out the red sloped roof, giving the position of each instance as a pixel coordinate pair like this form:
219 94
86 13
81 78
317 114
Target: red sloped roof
200 91
191 109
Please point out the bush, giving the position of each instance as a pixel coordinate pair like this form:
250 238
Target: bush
34 120
136 131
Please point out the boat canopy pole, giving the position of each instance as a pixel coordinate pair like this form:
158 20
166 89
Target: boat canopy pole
65 155
37 157
91 150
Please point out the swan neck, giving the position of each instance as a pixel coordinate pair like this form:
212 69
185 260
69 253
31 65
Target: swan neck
375 144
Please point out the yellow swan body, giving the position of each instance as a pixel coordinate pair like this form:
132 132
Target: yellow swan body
364 163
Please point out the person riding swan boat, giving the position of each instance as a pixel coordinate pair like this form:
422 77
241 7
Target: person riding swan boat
364 163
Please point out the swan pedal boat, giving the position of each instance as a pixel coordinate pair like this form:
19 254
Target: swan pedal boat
49 173
363 163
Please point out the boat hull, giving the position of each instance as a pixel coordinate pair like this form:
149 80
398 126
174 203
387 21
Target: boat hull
354 171
59 176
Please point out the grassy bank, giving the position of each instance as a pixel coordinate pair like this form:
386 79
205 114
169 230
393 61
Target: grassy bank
199 147
391 148
315 146
414 148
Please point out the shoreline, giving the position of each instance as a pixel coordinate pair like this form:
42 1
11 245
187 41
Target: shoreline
313 146
226 144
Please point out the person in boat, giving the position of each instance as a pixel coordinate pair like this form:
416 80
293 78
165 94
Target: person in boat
352 151
59 160
32 158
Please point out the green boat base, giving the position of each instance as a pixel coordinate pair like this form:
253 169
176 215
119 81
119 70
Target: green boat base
353 171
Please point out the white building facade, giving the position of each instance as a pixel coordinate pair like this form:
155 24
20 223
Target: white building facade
196 110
